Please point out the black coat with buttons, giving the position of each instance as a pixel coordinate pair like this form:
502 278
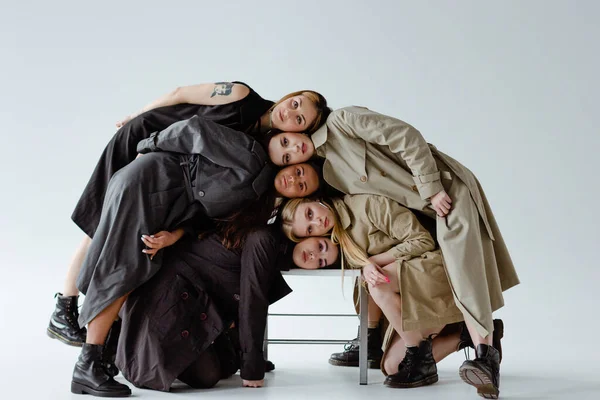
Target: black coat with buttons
201 290
230 168
197 168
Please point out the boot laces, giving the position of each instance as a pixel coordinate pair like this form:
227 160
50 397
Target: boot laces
408 360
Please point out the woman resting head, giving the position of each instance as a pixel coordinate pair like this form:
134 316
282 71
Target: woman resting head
306 217
315 253
301 111
298 180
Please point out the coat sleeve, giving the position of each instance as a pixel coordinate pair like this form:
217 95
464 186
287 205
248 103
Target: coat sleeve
197 135
400 223
400 137
258 270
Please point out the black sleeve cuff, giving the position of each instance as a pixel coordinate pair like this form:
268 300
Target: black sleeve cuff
253 366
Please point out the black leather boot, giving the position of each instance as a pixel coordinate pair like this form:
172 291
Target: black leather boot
483 372
465 337
417 369
349 357
63 323
109 353
90 376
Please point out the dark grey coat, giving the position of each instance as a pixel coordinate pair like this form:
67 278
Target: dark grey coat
161 191
169 321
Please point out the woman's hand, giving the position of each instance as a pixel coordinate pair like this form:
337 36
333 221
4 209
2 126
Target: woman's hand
160 240
442 203
374 275
125 120
254 384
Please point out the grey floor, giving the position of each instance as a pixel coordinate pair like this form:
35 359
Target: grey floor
546 364
42 369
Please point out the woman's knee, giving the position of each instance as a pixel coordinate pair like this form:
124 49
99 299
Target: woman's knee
203 373
380 293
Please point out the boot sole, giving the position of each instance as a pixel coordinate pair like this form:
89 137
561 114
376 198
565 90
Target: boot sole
56 335
424 382
371 364
78 388
479 379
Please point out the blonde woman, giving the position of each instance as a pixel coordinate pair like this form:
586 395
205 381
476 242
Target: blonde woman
404 273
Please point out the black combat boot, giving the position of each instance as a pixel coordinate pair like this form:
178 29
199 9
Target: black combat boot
465 337
63 322
416 369
349 357
109 353
90 376
483 372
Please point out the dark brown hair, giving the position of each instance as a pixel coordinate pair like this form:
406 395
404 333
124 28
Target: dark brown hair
234 228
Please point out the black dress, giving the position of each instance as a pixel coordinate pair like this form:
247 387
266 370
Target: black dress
121 150
171 321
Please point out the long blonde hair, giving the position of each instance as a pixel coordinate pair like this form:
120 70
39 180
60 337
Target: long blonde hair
351 252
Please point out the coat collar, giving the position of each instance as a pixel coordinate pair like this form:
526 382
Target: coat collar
319 138
342 212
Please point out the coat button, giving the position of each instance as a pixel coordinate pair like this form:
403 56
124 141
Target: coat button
414 188
236 297
185 334
202 317
201 193
383 173
185 295
363 178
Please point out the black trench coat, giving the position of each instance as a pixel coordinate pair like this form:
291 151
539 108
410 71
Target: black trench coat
202 288
161 191
240 115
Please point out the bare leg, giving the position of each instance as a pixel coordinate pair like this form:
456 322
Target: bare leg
476 337
98 327
75 266
442 348
374 313
388 299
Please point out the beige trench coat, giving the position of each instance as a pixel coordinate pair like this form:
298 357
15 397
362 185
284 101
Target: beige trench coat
368 152
377 225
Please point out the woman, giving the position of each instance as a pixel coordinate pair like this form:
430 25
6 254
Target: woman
368 152
203 316
234 105
410 287
194 167
321 252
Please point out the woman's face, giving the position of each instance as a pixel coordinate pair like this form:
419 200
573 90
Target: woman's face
312 219
294 114
298 180
315 253
290 148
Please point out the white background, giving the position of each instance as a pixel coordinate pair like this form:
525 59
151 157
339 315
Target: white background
508 88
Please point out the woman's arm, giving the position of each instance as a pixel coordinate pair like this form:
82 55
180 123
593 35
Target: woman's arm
219 144
258 267
400 137
203 94
400 223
